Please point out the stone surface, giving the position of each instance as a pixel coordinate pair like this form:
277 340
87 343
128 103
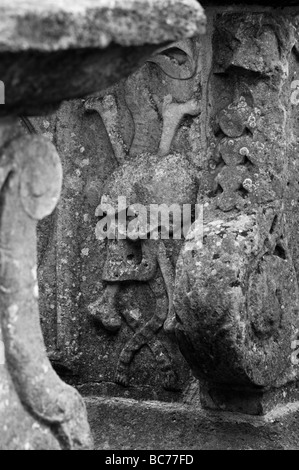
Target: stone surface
218 113
59 25
38 411
78 45
236 293
127 425
94 331
51 51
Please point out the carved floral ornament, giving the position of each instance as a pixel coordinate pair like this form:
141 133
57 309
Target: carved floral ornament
232 300
52 51
144 178
239 293
223 137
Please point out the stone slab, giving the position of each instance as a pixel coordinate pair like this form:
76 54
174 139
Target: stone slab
54 25
120 424
52 51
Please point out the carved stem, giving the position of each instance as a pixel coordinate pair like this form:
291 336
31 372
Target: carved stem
168 274
107 109
173 114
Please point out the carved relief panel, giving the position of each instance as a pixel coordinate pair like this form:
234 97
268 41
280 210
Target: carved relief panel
211 123
108 305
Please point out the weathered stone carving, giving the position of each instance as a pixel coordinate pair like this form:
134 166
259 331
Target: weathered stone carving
97 31
143 177
236 295
51 51
30 181
232 148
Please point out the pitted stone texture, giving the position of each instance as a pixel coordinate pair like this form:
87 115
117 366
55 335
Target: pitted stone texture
237 292
20 430
247 302
236 296
55 25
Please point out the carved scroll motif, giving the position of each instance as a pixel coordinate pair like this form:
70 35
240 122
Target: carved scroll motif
30 179
149 172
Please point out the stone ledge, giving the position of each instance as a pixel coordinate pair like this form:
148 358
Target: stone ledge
121 424
54 25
